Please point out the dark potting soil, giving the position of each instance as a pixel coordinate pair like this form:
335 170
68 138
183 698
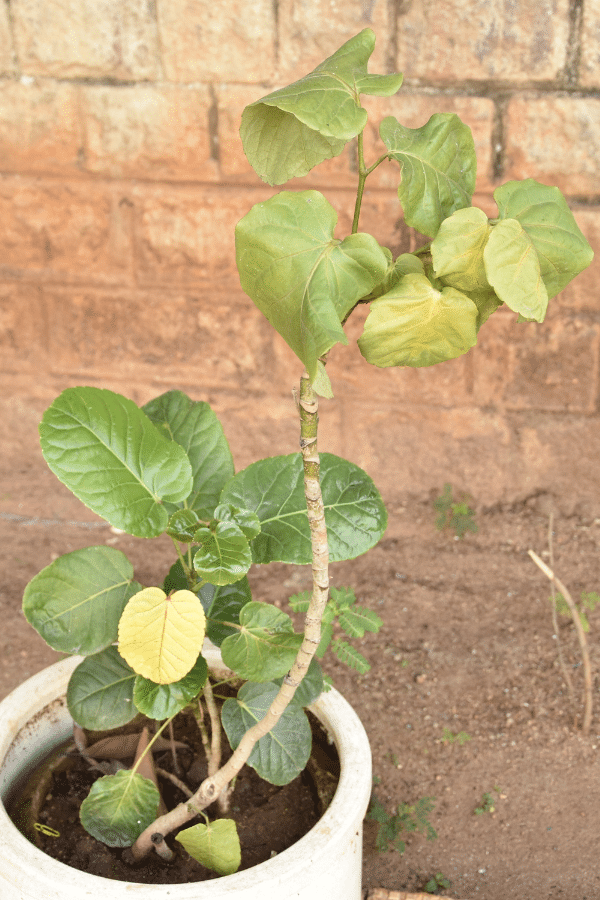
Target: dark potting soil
269 819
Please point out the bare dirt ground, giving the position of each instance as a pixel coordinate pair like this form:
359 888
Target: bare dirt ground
467 647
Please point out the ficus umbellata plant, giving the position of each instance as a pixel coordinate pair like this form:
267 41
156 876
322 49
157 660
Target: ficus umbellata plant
167 468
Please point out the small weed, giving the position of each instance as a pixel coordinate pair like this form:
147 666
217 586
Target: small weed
487 804
436 883
406 819
449 737
454 514
589 602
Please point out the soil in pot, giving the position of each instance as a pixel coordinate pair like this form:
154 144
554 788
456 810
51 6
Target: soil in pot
269 818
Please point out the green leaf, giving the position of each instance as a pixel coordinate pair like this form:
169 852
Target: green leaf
513 270
215 845
76 602
274 488
543 212
183 525
300 277
119 807
293 129
359 619
311 686
224 554
245 519
265 646
161 701
195 427
160 636
416 325
351 657
438 168
223 604
100 691
281 755
457 250
111 456
342 598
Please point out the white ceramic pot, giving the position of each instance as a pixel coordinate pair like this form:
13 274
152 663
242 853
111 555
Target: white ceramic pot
325 864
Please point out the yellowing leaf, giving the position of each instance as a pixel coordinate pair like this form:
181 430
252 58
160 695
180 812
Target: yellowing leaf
161 636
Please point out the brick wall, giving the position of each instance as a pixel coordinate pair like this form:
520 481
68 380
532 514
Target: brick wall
122 177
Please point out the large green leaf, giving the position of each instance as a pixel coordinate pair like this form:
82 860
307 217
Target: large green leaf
161 701
112 457
75 603
438 168
195 427
281 755
274 488
513 269
265 646
224 555
160 636
542 211
100 691
223 604
119 807
215 845
416 325
293 129
301 278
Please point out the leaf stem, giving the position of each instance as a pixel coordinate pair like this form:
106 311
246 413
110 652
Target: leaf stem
363 172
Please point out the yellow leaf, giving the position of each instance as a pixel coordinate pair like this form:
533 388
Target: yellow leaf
161 636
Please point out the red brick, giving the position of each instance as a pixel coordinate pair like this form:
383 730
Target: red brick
555 140
7 54
552 366
590 45
96 38
22 328
148 131
62 230
40 127
449 41
218 41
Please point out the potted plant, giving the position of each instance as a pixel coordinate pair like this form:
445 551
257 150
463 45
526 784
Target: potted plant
166 468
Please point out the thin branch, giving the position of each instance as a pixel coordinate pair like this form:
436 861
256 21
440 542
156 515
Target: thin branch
587 669
561 661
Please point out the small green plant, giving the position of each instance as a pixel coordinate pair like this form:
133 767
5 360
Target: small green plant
589 601
407 819
437 882
456 515
449 737
488 803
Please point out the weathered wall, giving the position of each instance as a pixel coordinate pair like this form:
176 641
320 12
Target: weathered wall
122 177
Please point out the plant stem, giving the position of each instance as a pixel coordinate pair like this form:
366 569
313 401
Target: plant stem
362 177
211 787
587 669
561 662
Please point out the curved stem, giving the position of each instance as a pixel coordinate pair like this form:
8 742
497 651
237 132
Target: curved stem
211 787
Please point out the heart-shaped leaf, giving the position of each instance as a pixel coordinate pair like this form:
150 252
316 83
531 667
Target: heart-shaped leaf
100 691
195 427
438 168
274 488
543 213
75 603
245 519
160 636
300 277
457 250
293 129
513 269
161 701
112 457
119 807
416 325
281 755
224 554
215 845
265 646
